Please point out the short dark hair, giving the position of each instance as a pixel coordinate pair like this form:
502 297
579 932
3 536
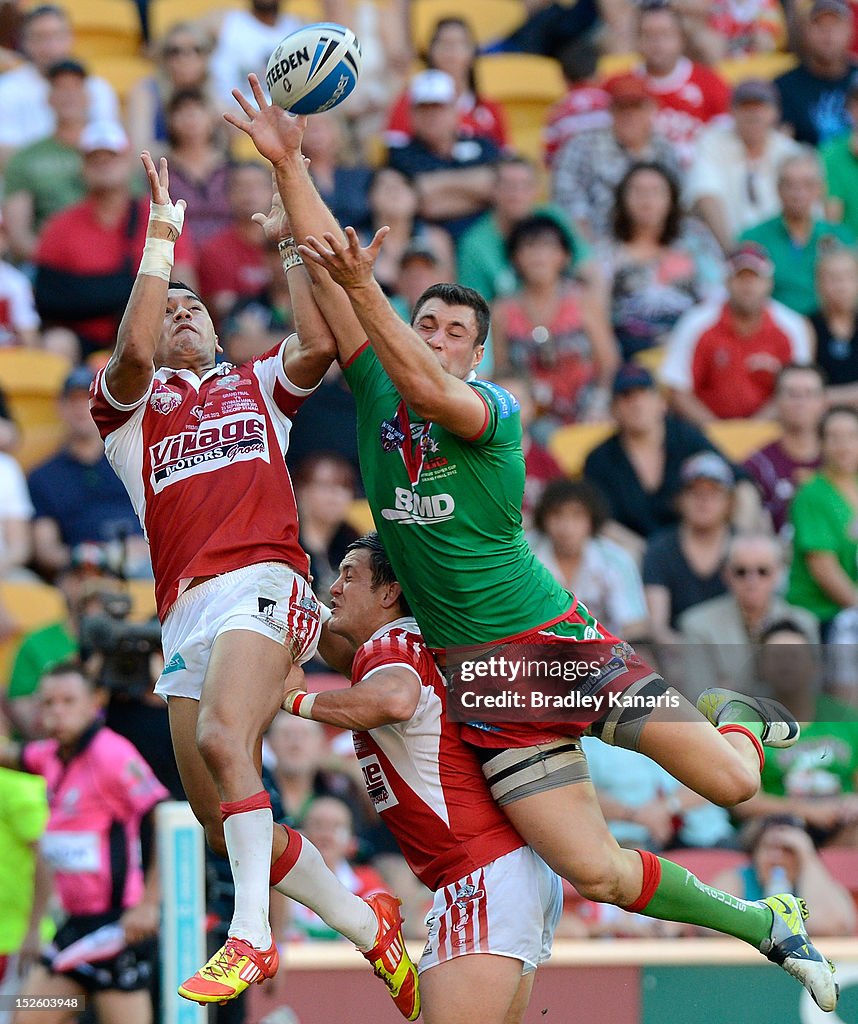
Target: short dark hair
69 667
564 492
831 412
458 295
307 467
533 227
657 7
578 59
40 12
66 67
789 368
622 221
382 569
783 626
180 286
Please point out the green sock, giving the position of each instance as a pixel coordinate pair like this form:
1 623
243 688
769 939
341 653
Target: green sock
682 897
736 711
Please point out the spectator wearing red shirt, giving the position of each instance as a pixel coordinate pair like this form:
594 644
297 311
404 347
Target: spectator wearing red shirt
688 94
723 358
586 105
233 263
453 49
87 255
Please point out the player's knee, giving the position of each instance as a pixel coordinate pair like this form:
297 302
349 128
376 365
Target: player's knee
215 744
736 785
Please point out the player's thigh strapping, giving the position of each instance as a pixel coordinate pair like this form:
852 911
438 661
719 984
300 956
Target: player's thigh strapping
268 598
510 908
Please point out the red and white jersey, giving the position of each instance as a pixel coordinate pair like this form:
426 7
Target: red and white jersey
234 422
689 97
426 784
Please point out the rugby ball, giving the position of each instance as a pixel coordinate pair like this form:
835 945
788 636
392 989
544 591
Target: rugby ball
314 69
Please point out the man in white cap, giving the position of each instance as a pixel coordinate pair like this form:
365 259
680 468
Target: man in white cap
87 254
453 174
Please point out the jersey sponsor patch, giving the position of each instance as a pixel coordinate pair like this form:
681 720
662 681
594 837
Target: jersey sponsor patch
377 786
507 403
213 445
71 852
411 507
175 664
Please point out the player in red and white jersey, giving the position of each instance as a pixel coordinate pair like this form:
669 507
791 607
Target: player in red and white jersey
201 450
688 95
496 903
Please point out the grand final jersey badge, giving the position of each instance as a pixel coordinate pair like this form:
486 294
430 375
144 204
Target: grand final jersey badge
392 436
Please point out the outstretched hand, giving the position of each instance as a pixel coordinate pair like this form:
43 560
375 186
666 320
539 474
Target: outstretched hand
348 264
166 222
276 134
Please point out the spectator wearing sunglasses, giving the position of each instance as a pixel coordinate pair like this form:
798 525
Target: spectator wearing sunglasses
724 629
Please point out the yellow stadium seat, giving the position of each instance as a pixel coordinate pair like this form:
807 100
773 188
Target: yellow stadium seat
617 64
759 65
527 86
123 73
142 594
31 605
309 11
739 439
489 19
104 28
163 14
651 359
360 517
31 380
571 445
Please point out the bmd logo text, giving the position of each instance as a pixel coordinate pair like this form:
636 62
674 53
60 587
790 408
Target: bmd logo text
421 509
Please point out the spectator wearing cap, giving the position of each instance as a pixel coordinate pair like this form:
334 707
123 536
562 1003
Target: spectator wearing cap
723 358
683 565
797 236
637 469
732 183
813 95
453 50
76 495
46 176
724 630
824 517
586 176
585 107
783 465
483 261
688 95
453 174
25 112
87 255
840 159
393 201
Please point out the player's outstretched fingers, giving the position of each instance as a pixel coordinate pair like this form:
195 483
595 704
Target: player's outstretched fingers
245 105
151 170
258 93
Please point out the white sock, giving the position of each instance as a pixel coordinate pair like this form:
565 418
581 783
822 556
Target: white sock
249 835
312 883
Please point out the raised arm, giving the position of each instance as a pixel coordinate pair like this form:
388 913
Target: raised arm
277 136
428 389
131 367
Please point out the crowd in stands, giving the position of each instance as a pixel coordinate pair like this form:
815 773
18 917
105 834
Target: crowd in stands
674 287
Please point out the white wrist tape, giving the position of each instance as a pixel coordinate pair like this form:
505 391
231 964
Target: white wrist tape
300 704
169 213
289 255
157 258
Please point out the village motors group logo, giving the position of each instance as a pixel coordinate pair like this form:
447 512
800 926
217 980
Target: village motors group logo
216 443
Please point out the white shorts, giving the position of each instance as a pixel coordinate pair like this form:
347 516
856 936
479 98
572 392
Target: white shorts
508 908
267 598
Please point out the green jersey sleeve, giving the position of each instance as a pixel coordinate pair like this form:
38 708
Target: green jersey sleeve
502 424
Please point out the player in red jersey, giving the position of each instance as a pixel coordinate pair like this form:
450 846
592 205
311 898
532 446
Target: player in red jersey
496 903
201 450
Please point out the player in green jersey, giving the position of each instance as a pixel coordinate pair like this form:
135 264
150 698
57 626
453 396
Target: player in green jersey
443 470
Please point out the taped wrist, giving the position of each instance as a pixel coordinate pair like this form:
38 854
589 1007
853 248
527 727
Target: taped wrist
300 704
158 255
289 255
168 213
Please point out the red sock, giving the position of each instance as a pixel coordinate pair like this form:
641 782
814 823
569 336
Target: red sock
651 880
288 858
736 727
257 802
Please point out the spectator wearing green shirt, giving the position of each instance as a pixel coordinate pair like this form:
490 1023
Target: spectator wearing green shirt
796 237
824 515
47 176
840 158
482 257
815 779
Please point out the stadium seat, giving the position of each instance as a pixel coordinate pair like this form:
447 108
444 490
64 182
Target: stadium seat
360 517
651 358
739 439
104 28
163 14
489 19
527 86
31 380
617 64
142 594
842 862
31 605
707 864
571 445
759 65
123 73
